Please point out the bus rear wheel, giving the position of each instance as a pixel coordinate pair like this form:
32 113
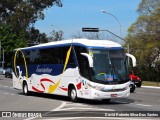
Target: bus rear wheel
72 94
25 89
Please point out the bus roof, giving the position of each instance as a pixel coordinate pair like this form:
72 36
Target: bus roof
81 42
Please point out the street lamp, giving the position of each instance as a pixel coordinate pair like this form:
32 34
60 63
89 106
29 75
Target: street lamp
103 11
55 26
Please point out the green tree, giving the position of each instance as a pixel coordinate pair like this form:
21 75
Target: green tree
35 37
94 35
17 19
56 35
144 35
21 15
9 42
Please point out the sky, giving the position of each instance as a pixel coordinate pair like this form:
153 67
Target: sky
76 14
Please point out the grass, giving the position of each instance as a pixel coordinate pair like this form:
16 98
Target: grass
150 83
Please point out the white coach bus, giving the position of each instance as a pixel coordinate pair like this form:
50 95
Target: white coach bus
78 68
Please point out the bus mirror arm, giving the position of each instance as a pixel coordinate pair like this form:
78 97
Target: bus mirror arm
90 59
133 59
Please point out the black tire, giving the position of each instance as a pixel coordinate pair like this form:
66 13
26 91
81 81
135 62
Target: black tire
25 89
72 94
106 100
139 85
131 91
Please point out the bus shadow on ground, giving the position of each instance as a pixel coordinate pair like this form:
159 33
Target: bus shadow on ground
46 96
113 101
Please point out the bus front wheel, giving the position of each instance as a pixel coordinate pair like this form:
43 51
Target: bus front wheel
72 94
25 89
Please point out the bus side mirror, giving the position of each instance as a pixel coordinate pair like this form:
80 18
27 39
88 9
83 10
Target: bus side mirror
133 59
90 59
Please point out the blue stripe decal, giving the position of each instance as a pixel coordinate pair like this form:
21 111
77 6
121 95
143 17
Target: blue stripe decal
51 69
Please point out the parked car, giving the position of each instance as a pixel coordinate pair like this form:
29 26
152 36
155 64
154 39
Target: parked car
8 73
135 79
132 86
2 71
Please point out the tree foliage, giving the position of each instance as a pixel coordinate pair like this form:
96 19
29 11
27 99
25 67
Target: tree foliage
56 36
17 19
144 38
9 42
21 14
94 35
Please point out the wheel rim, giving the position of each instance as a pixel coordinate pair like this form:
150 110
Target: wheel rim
73 94
25 89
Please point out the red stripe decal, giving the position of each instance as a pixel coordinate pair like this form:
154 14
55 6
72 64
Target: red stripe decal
78 86
43 86
46 80
42 80
35 89
65 89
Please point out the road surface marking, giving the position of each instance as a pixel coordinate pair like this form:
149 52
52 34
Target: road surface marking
6 86
61 106
75 104
144 105
72 108
56 109
150 87
10 94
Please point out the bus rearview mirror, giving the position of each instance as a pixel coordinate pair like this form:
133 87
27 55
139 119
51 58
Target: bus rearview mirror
133 59
90 59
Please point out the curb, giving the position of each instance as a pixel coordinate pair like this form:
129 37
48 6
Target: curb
151 87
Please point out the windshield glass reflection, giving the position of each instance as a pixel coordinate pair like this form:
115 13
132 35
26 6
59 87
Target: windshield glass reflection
109 66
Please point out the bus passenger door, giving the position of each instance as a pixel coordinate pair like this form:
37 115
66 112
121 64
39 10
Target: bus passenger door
85 88
85 79
83 71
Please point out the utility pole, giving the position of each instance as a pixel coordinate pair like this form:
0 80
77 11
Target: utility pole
0 52
3 60
1 55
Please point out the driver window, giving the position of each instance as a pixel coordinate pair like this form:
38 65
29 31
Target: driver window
82 61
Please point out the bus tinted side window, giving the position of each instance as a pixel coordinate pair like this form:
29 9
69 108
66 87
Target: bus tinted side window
50 56
55 55
82 61
27 56
34 56
63 51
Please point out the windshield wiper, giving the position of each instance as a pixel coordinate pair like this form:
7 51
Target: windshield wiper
115 71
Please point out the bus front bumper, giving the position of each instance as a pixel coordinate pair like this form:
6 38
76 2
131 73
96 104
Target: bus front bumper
96 94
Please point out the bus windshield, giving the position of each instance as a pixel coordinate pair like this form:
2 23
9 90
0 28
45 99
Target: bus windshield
109 66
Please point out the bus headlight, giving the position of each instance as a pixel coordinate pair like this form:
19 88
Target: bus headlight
99 88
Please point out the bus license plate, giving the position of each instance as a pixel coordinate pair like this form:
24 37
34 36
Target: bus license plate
113 95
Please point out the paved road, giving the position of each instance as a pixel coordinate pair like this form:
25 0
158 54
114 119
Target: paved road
143 99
